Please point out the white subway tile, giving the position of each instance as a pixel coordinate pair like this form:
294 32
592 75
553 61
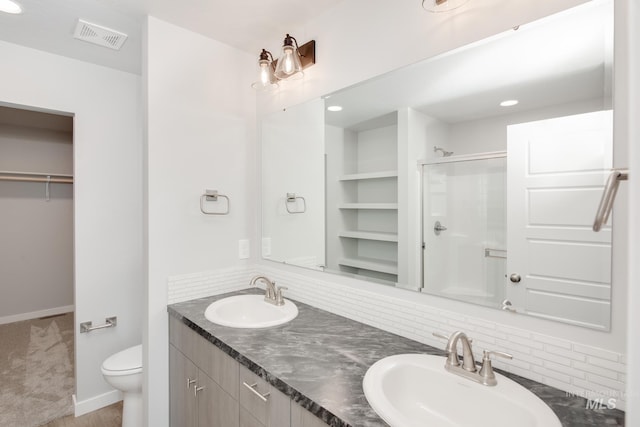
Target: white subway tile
548 373
606 364
553 341
567 370
586 367
564 353
551 357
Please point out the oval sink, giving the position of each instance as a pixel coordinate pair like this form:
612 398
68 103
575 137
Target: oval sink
249 311
415 390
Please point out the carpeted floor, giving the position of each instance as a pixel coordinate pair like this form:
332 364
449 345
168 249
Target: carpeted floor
36 371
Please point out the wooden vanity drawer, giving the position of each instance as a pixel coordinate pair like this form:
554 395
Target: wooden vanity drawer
218 365
265 403
183 338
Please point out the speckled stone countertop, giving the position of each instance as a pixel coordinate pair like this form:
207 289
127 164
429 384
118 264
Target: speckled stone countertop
319 359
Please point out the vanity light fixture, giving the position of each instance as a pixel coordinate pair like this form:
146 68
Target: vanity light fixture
266 79
334 108
442 5
294 59
10 6
509 103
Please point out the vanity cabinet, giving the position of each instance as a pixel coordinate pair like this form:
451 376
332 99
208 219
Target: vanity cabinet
210 389
203 390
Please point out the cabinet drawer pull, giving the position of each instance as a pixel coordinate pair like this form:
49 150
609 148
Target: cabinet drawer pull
196 389
252 387
190 382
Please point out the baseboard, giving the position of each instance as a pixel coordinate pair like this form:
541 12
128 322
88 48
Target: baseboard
36 314
95 403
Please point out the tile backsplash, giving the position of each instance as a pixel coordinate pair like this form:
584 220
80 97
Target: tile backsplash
590 372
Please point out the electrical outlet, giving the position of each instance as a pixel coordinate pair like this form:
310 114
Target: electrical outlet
243 249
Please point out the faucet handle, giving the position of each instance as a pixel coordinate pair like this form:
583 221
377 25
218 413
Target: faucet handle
439 335
279 296
488 377
486 354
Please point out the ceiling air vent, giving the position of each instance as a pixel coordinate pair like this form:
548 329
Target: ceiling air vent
99 35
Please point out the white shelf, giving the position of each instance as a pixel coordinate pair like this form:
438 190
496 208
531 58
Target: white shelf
389 267
381 206
368 175
370 235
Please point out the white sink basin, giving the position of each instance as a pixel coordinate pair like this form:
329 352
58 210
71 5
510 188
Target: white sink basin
249 311
414 390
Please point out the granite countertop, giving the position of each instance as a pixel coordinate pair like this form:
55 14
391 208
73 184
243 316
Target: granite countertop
319 360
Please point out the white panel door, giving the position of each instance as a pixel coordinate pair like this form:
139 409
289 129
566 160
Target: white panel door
556 171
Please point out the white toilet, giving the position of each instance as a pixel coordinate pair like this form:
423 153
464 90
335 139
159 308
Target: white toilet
123 371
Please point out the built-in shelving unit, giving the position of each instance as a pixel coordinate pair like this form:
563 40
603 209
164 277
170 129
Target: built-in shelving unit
371 264
370 235
366 205
369 175
369 206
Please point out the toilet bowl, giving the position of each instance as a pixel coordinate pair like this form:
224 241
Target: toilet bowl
123 371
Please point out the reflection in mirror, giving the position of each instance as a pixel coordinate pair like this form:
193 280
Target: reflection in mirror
408 150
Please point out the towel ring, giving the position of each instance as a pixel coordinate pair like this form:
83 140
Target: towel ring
292 198
212 196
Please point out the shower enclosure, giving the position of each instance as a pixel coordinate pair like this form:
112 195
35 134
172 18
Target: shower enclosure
464 227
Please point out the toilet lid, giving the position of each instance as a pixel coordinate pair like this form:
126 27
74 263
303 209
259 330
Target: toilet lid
125 360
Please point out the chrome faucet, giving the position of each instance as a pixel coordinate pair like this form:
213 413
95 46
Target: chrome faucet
468 369
273 295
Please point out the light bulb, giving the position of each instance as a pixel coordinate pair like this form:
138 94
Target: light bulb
264 73
288 60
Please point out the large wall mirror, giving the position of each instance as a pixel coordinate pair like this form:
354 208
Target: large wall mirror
474 175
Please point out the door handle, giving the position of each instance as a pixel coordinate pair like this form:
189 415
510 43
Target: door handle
515 278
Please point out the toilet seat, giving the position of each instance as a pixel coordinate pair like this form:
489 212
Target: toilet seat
125 362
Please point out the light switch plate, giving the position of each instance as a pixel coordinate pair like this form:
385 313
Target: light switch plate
243 249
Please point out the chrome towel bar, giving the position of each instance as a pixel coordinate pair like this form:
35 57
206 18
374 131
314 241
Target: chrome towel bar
608 197
87 326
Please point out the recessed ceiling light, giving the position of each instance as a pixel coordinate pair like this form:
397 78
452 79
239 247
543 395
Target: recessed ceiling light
509 103
10 6
334 108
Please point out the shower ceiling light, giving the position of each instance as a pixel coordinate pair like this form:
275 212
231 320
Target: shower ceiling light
10 6
334 108
442 5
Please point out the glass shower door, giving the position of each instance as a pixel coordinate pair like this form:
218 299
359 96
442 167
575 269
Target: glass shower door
464 228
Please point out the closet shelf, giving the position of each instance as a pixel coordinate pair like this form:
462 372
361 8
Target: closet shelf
371 264
368 175
380 206
370 235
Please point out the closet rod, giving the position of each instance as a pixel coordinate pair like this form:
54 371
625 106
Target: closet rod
35 177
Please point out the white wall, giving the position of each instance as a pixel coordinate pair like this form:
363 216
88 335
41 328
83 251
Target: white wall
34 231
107 195
200 121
